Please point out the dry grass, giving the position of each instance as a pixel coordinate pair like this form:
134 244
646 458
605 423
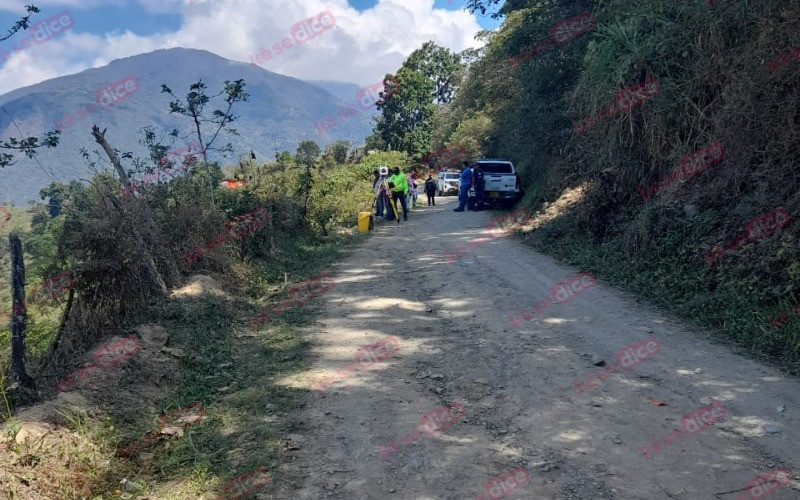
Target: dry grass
234 372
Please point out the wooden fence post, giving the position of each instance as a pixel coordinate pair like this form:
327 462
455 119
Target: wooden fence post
18 316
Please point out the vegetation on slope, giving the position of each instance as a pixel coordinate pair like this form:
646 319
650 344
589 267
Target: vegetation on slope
620 101
725 74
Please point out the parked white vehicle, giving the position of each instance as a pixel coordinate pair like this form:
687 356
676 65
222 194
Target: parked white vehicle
501 183
448 182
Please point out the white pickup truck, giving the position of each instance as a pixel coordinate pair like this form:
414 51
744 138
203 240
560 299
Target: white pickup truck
501 183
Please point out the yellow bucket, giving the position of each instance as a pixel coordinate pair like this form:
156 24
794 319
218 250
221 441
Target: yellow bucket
364 222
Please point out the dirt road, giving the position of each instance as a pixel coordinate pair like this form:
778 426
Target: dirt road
519 389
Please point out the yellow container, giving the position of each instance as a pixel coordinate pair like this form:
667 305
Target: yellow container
364 222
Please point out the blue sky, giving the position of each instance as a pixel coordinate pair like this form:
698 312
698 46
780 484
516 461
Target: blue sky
131 16
372 37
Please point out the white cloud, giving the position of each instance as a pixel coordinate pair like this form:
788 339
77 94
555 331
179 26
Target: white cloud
360 48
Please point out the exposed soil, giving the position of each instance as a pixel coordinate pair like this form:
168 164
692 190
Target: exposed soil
516 386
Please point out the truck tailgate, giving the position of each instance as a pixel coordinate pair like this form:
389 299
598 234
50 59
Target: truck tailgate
499 182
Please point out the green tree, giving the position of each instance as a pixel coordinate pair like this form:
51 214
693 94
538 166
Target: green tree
391 159
374 141
473 135
508 6
307 153
57 193
339 150
429 76
284 159
406 116
438 64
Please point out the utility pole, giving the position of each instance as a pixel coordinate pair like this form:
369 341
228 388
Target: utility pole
275 140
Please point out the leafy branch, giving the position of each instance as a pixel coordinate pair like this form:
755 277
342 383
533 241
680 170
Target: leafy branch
23 23
29 145
196 101
26 146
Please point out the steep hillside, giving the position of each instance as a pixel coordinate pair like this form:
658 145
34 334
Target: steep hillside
340 90
282 111
672 129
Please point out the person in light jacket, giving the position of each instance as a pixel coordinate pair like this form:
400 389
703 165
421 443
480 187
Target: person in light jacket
413 190
380 193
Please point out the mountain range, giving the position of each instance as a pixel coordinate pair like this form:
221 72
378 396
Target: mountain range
281 112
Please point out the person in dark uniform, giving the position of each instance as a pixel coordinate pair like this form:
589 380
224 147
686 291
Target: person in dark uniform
430 190
479 185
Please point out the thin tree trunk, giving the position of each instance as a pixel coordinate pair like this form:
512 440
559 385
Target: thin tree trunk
18 315
64 317
205 157
100 137
61 328
307 196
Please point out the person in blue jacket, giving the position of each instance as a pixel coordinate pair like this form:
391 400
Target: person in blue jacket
463 192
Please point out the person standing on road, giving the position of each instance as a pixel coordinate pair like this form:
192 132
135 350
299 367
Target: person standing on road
379 191
479 178
399 191
390 208
414 187
430 190
463 192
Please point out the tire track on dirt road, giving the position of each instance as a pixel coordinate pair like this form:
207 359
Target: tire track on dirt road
521 408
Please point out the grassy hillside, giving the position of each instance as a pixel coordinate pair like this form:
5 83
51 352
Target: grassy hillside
20 220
